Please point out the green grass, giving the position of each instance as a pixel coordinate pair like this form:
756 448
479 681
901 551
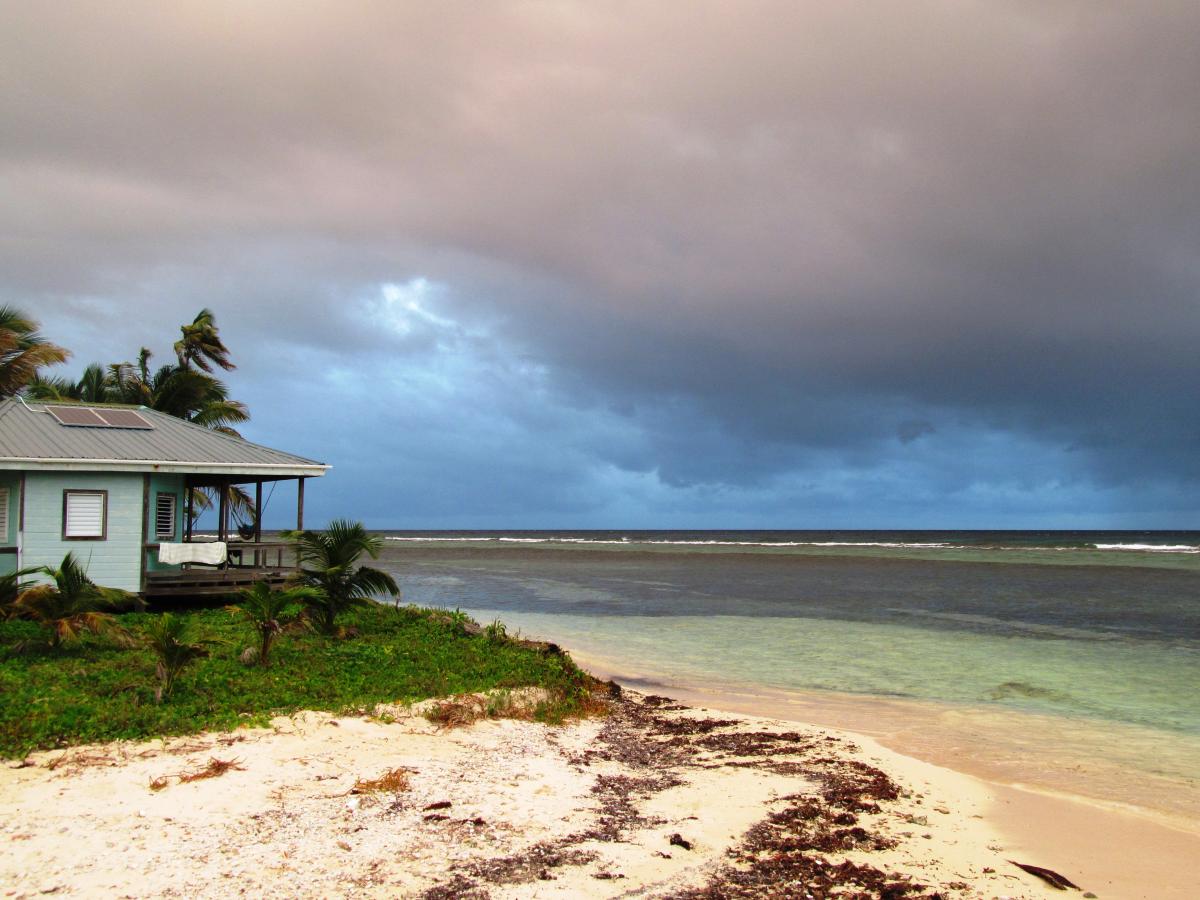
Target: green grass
94 691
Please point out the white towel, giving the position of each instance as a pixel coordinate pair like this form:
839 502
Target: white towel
211 553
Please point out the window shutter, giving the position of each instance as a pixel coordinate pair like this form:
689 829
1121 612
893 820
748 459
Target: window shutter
84 515
164 517
3 515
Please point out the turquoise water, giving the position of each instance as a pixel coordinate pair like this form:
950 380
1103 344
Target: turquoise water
1136 684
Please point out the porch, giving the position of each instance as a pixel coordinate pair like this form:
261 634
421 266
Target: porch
248 562
247 558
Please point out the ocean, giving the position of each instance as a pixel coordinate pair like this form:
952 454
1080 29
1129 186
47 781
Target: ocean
1069 661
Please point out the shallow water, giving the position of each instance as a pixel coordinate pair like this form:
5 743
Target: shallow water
1104 658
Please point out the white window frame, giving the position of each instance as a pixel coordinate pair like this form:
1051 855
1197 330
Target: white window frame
159 497
70 493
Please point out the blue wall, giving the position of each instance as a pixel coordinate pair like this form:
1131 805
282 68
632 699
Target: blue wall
112 562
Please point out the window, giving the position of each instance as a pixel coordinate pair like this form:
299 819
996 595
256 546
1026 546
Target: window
4 515
164 517
85 515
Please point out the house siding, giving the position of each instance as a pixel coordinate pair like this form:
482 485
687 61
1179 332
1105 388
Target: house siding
164 484
113 562
12 481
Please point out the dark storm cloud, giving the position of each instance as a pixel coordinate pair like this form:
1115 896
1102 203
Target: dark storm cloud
761 254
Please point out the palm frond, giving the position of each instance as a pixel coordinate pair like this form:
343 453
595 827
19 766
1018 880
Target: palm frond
72 603
328 562
201 344
170 639
23 351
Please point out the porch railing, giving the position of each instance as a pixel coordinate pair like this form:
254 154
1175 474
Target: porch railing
249 554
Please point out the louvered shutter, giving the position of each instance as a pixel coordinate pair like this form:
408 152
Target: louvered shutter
164 517
83 516
3 515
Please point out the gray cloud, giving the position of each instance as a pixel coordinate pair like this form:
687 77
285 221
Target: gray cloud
689 263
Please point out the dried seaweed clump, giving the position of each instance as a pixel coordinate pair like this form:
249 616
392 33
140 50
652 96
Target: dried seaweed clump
214 769
533 864
394 780
456 712
783 855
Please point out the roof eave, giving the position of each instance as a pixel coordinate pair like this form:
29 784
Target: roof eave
271 470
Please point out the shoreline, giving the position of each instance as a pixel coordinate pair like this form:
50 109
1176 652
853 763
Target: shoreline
1119 849
1131 767
594 808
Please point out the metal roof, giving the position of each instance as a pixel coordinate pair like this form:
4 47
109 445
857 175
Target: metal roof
33 439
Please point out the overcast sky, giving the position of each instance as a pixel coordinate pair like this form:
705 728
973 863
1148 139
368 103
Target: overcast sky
740 264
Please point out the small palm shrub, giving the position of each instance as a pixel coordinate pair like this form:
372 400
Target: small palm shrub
169 638
329 565
268 612
12 586
70 604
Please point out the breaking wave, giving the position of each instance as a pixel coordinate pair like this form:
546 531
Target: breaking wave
649 540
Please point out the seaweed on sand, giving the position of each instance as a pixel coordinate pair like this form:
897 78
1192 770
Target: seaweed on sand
783 855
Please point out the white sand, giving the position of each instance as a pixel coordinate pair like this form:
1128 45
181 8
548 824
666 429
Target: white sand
285 823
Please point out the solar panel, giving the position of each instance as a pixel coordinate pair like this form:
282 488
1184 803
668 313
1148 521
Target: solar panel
77 415
87 417
123 418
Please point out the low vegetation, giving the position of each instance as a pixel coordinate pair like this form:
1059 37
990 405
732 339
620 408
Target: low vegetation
98 689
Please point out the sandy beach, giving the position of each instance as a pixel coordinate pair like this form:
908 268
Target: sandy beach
654 799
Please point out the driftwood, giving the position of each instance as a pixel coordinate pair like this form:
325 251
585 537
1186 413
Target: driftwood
1049 876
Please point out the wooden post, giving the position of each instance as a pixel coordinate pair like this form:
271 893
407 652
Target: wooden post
222 511
259 559
300 504
145 531
190 508
21 526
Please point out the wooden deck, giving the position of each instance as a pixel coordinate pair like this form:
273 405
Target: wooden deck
210 582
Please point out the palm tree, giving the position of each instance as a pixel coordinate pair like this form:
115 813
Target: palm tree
329 564
195 397
201 344
92 387
70 605
23 351
267 612
170 639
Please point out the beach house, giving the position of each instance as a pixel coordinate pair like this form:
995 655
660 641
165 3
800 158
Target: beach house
114 485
